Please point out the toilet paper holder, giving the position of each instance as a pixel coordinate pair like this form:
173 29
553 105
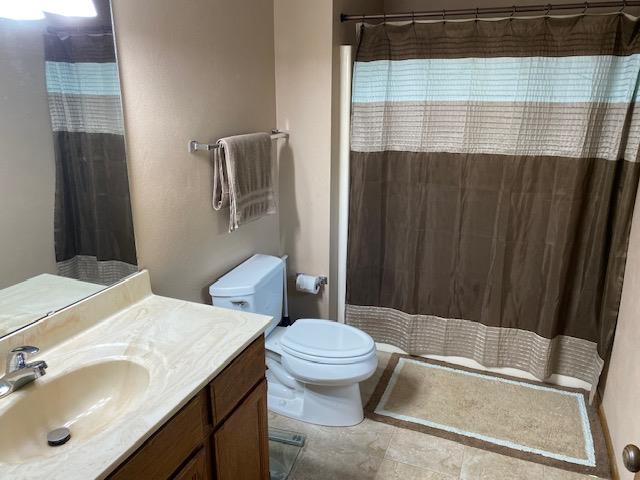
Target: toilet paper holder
322 280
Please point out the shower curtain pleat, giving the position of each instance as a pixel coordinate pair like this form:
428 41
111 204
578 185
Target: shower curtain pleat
493 179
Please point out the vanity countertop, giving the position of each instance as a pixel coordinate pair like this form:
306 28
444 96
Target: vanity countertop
182 346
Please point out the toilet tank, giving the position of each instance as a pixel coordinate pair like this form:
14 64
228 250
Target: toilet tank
256 285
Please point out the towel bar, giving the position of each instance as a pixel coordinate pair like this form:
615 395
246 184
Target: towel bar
194 145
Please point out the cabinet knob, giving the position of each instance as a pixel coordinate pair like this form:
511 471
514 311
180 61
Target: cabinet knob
631 458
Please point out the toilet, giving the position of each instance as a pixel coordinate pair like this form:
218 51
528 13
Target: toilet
314 366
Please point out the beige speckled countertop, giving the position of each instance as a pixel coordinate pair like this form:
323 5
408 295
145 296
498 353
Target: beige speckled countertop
182 345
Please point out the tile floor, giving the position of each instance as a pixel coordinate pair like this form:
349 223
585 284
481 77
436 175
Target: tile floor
378 451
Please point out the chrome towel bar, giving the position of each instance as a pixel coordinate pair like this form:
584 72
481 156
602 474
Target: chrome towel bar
194 145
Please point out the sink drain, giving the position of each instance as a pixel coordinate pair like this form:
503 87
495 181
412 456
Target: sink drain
58 437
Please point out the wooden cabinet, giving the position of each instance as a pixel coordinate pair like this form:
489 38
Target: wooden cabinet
241 443
196 469
220 434
237 380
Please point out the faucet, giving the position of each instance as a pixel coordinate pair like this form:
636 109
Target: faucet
19 372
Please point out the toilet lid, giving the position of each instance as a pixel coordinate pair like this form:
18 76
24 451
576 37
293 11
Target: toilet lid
326 339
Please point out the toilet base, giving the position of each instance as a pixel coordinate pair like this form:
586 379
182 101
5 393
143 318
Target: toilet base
339 406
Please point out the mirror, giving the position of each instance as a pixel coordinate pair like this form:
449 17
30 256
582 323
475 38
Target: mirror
66 230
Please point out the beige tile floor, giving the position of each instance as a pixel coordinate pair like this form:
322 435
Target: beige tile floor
378 451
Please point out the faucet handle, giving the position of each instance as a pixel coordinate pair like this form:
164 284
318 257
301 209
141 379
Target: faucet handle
39 368
17 357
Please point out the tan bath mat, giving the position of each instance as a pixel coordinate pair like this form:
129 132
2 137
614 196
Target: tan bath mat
519 418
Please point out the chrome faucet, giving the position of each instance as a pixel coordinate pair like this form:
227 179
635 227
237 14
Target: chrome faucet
19 372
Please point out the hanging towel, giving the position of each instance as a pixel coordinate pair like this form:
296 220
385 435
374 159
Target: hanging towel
242 178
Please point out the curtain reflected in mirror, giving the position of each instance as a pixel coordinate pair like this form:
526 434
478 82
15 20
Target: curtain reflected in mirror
65 221
93 226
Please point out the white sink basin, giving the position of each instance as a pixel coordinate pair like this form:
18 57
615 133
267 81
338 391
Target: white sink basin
85 400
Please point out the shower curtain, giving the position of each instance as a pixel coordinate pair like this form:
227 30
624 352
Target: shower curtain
93 225
493 180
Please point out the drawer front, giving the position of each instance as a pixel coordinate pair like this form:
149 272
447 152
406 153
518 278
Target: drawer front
167 449
235 381
195 469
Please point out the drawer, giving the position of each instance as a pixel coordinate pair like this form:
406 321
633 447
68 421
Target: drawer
237 379
168 448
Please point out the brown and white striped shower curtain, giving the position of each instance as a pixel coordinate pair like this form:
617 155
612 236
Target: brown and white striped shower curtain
493 179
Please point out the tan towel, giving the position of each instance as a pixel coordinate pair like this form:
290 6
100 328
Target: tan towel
242 178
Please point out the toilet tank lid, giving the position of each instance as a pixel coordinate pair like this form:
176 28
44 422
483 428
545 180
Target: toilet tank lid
247 277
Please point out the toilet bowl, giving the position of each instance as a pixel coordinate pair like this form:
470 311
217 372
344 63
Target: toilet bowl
314 366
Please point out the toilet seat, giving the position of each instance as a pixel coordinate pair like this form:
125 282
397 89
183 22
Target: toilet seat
327 374
329 360
327 342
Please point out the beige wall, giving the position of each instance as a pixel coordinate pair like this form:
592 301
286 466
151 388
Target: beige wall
308 34
27 167
201 70
622 392
303 36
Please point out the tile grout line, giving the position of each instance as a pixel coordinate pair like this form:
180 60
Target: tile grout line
464 454
426 469
393 436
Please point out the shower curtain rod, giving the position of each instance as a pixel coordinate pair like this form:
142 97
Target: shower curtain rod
515 9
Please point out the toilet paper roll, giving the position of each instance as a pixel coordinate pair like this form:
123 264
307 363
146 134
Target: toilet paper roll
307 283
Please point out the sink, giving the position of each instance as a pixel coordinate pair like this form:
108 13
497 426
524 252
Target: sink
85 400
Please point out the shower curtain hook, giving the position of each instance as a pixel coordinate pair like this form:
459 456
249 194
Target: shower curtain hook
477 13
586 6
513 12
624 5
546 12
443 14
413 16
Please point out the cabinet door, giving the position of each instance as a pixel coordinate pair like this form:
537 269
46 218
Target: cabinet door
241 444
196 469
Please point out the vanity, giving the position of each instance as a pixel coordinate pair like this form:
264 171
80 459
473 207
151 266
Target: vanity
148 387
221 433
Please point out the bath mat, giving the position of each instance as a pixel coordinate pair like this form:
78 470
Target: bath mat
519 418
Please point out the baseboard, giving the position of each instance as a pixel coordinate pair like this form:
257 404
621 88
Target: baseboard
615 475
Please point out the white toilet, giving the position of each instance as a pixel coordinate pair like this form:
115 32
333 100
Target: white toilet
314 366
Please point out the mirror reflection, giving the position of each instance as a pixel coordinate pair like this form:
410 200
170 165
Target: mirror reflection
65 219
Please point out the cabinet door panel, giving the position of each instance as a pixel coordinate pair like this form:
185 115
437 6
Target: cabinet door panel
241 443
196 469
